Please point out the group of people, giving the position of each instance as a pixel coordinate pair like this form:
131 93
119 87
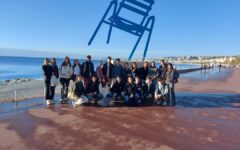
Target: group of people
110 82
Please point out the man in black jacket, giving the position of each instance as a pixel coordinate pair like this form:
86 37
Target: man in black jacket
118 89
47 74
87 70
107 70
148 90
93 89
131 97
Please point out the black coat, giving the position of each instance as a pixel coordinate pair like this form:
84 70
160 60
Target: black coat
143 73
47 72
105 70
55 71
117 87
138 88
148 89
136 72
130 89
87 69
79 89
162 71
93 87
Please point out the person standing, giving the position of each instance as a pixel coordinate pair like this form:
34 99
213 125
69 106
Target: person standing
144 71
77 69
153 72
126 72
47 74
108 70
87 70
99 70
65 73
54 78
171 79
118 69
134 70
162 69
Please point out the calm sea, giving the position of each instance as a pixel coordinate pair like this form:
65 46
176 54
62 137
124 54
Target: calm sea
27 67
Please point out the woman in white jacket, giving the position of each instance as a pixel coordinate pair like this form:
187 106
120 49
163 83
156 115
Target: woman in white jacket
105 93
65 73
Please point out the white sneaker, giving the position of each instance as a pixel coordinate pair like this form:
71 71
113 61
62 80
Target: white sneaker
48 102
73 103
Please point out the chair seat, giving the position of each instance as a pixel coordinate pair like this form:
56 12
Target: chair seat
126 25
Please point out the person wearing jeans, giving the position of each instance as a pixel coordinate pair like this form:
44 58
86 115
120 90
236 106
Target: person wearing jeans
47 74
56 74
170 80
65 72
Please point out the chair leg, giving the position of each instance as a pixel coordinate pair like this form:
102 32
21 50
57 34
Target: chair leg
152 19
109 34
135 47
111 25
114 2
95 32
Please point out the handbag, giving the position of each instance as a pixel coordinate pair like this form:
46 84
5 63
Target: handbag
54 80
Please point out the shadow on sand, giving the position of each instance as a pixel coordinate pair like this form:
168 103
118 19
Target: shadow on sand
184 100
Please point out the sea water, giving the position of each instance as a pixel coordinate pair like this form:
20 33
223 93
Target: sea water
28 67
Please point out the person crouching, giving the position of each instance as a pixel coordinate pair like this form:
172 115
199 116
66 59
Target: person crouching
77 92
131 97
93 90
118 89
105 93
148 91
161 92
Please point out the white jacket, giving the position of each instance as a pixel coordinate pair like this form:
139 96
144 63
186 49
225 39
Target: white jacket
104 90
65 71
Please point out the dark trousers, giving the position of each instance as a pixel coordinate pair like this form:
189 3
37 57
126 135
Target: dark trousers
52 92
172 96
145 98
64 89
47 89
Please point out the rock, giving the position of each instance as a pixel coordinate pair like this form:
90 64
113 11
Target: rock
18 80
7 81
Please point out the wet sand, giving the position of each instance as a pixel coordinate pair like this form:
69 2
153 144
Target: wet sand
206 118
226 84
91 128
199 122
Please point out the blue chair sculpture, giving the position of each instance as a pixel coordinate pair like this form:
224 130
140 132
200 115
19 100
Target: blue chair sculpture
139 7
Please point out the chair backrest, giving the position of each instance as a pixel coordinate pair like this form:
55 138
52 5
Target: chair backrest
138 7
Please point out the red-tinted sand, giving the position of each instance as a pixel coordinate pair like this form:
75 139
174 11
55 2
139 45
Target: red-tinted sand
137 128
122 128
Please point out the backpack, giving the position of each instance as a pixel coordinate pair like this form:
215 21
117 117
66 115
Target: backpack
175 76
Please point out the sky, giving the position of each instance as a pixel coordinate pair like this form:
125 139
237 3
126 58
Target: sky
183 27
